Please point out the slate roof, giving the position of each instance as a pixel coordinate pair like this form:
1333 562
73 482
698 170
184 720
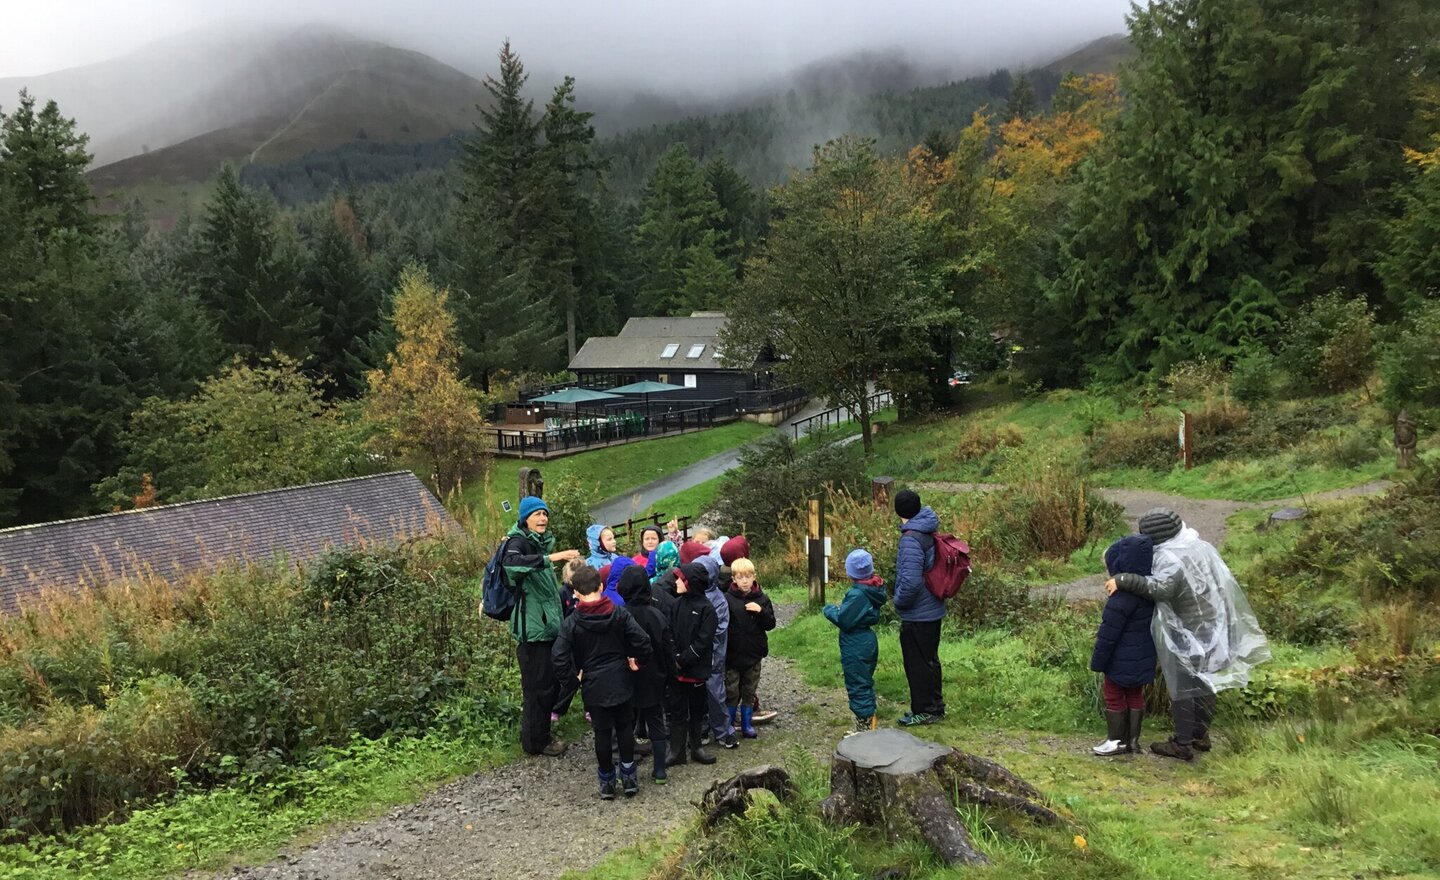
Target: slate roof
641 345
298 523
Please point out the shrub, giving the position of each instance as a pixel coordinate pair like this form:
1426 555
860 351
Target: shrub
1199 379
1410 363
990 599
1253 377
1149 442
114 696
1328 345
980 440
776 476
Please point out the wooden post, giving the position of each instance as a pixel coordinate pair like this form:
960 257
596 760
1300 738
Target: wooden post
815 532
1405 438
880 491
531 483
1187 440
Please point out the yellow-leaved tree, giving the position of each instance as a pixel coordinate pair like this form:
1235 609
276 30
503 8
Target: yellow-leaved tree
424 409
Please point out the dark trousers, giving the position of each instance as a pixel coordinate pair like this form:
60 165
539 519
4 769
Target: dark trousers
1118 697
741 685
920 647
1192 716
688 710
538 690
617 722
650 721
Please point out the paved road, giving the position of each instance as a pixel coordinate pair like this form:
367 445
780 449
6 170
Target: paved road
617 509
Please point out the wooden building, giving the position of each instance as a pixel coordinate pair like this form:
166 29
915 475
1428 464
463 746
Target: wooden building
680 351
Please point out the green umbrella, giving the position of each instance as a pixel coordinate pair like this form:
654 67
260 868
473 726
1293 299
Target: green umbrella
574 395
646 388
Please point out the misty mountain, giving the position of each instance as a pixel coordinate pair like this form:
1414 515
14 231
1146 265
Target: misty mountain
177 109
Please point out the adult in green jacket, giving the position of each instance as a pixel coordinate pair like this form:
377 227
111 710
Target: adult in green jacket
859 649
529 562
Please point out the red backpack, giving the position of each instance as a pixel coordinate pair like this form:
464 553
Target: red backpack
947 574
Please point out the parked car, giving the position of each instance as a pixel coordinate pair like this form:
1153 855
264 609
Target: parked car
960 377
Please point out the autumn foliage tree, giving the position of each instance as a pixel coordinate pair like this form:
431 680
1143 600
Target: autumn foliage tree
419 402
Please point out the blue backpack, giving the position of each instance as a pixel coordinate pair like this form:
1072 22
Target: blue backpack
497 597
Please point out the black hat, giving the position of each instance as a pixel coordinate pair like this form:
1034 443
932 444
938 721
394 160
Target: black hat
1160 524
697 577
907 504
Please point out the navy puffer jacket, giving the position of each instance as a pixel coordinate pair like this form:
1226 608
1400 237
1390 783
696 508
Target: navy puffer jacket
913 600
1124 650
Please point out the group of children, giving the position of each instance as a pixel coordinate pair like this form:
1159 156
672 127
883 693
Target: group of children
665 649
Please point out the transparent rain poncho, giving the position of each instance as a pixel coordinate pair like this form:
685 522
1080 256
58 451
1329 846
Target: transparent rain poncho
1205 633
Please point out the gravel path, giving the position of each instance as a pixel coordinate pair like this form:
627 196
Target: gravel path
1207 516
540 817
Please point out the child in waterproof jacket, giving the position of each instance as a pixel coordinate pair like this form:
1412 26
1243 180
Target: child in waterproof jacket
601 646
653 679
602 546
1124 649
752 616
859 649
692 622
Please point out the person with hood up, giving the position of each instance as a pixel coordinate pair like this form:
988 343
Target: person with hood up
529 560
692 622
601 646
920 612
859 649
652 679
650 538
603 550
1206 636
612 574
752 616
722 729
1124 650
665 559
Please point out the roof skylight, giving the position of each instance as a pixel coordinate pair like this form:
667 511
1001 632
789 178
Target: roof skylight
670 350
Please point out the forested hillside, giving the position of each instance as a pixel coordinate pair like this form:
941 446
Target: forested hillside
1259 185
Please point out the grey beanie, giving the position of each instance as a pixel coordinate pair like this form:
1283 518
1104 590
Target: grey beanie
1160 524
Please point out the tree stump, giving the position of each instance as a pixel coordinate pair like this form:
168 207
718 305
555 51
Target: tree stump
897 782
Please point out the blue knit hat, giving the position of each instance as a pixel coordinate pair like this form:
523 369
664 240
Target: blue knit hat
528 505
859 565
1130 555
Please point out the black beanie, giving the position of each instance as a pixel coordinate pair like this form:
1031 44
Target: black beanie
907 504
697 577
1160 524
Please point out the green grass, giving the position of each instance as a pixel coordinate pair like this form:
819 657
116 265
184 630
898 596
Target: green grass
613 470
693 501
206 831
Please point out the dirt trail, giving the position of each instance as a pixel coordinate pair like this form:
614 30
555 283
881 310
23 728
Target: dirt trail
540 817
1206 515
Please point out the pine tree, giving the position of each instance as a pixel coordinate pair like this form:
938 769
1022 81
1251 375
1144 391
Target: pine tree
742 224
245 270
1021 103
570 162
678 212
336 282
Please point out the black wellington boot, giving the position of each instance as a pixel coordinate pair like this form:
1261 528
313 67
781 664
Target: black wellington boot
1134 718
697 751
1115 741
678 755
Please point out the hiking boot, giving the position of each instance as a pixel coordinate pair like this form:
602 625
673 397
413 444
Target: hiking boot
1172 749
1116 730
917 719
628 781
747 722
1200 743
607 785
729 741
658 748
555 749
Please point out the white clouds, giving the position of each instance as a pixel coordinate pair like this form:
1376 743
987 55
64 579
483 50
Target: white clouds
667 45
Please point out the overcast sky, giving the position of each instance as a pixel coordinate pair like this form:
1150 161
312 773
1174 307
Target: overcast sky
677 43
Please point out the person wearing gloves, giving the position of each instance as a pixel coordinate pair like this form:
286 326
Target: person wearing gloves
529 560
920 612
1206 636
859 649
603 551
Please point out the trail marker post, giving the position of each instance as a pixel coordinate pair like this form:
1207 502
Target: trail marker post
1187 440
880 491
816 547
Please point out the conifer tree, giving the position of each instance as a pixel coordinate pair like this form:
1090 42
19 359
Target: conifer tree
679 213
337 283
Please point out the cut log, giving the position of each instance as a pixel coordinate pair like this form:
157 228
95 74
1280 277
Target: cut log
730 797
904 785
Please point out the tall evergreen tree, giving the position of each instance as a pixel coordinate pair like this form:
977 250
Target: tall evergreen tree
336 282
743 219
246 271
1249 172
679 213
1021 103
